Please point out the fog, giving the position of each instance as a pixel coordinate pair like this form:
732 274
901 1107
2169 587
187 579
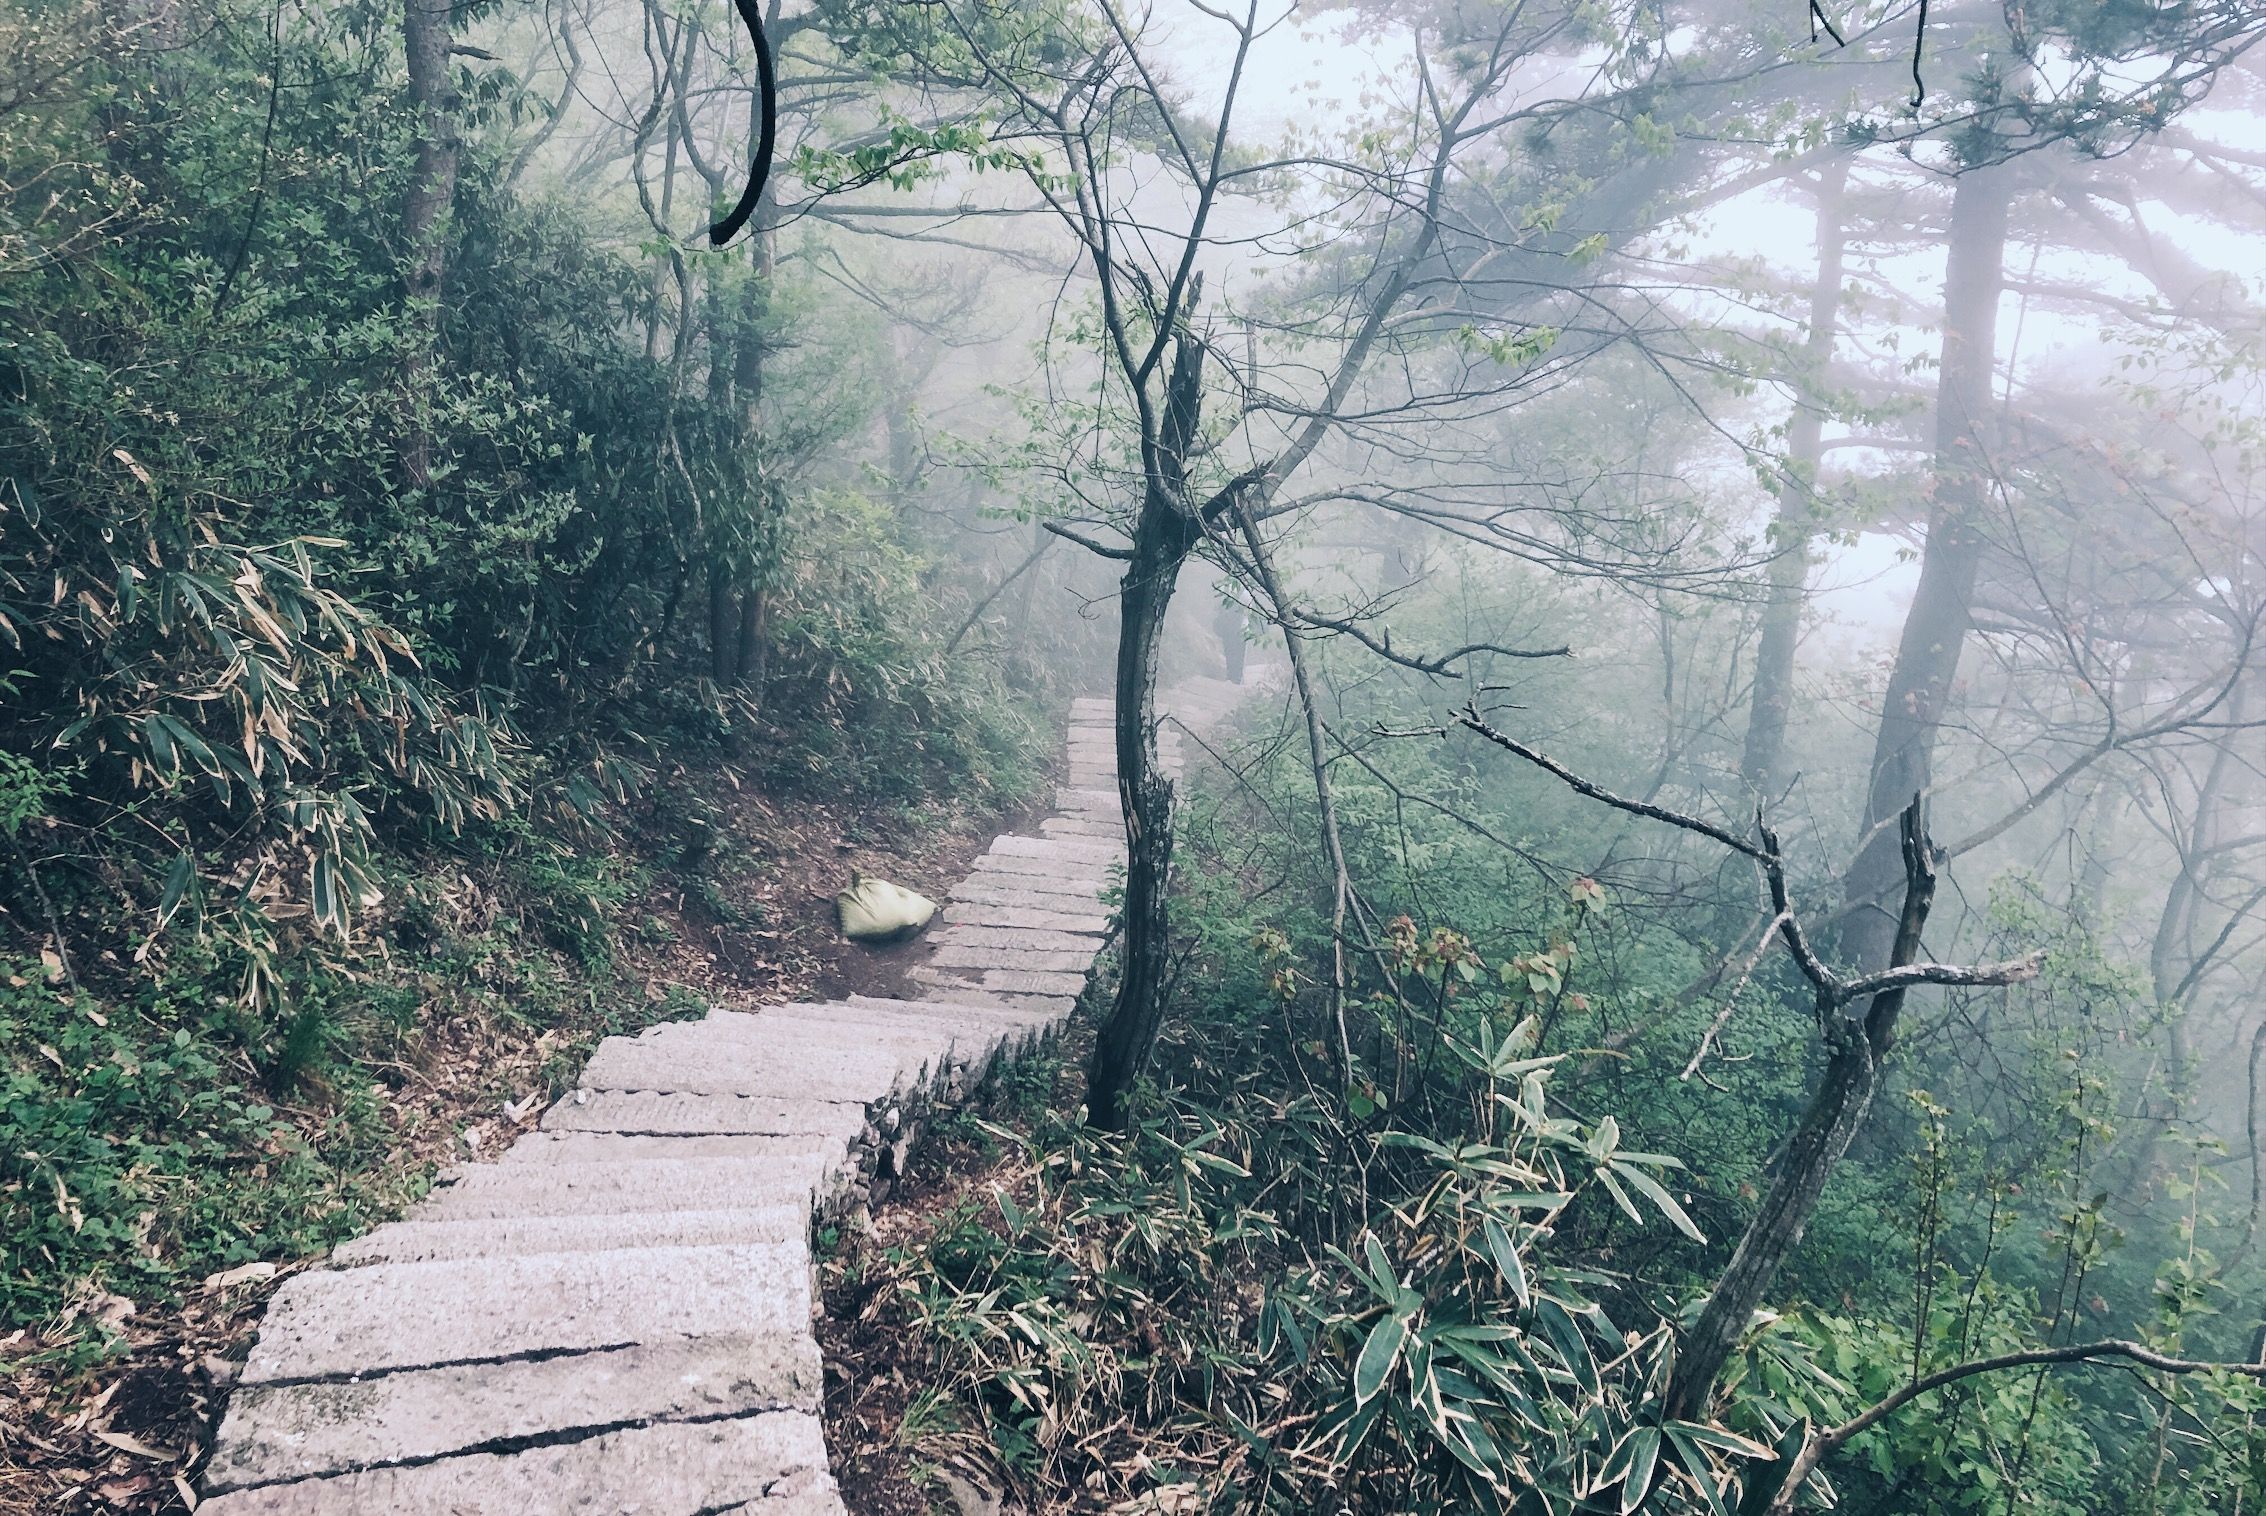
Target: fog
1731 531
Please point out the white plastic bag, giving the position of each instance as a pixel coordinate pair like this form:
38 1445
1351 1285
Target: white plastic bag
874 911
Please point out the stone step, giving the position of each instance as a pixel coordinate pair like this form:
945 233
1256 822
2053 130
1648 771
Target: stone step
992 889
1091 920
1028 939
716 1067
1101 855
1004 981
1046 1011
298 1431
959 1041
661 1114
926 1052
332 1323
518 1236
1065 866
770 1464
608 1189
1111 831
1052 961
614 1147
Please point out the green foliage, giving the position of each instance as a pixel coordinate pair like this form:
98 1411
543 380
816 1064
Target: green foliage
316 602
134 1148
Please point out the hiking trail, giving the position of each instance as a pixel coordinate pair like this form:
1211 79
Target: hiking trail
614 1314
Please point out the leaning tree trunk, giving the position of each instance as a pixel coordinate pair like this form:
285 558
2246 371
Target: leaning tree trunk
1829 1124
1891 853
1163 537
1165 532
1935 629
1796 522
432 189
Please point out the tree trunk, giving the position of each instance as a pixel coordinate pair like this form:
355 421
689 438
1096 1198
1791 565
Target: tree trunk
1926 661
1935 629
1829 1124
1162 539
1165 532
1796 520
723 623
426 40
753 662
432 190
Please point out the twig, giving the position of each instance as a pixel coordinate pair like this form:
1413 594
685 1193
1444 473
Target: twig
1826 1442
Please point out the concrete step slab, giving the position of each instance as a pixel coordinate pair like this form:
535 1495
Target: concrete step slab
714 1067
1035 894
1027 939
519 1236
1051 961
784 1035
959 1041
1008 981
975 913
299 1431
332 1323
1063 866
662 1114
1099 855
608 1189
1080 828
770 1464
1043 1011
615 1147
967 986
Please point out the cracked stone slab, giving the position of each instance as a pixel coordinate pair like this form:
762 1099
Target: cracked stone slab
986 888
956 1041
517 1236
663 1114
1082 830
1027 938
603 1189
991 1031
1045 1011
770 1464
1029 982
985 957
977 914
1100 855
1061 866
784 1037
968 986
835 1073
297 1431
616 1147
337 1322
918 1007
1087 798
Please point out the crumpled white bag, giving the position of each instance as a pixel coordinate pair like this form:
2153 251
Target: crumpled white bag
875 911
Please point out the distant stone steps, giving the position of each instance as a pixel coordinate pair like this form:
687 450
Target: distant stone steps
613 1315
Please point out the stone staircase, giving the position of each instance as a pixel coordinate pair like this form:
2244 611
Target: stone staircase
614 1315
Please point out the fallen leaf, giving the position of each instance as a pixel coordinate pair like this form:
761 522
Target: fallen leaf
134 1445
243 1273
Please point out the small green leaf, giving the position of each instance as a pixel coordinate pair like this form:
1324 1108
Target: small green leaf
1507 1260
1378 1355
